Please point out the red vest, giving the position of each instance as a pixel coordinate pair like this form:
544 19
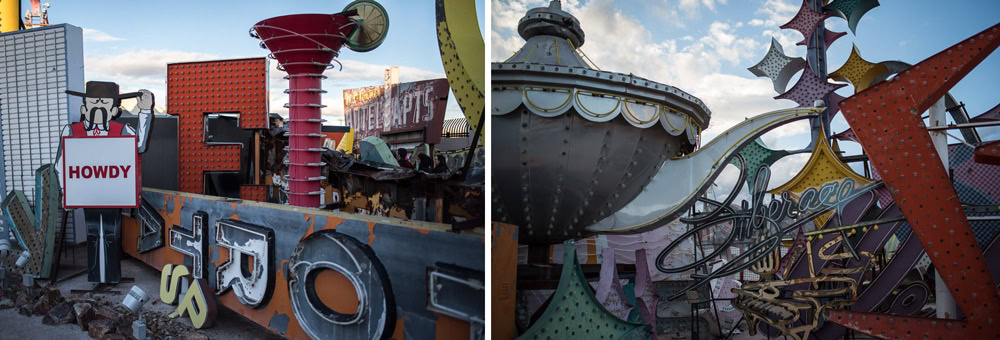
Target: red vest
114 129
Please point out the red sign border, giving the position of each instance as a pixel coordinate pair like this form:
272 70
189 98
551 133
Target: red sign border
138 174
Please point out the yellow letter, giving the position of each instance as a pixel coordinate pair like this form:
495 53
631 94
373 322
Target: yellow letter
170 279
200 309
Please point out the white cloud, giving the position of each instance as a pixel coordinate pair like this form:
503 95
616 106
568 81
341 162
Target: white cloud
147 69
621 43
778 12
692 7
138 69
354 75
98 36
504 47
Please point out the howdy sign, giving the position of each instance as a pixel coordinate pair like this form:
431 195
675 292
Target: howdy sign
100 172
377 110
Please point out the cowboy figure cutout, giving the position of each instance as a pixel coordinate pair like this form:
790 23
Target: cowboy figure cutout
101 106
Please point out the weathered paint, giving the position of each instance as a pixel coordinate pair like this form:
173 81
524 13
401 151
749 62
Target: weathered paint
504 269
406 248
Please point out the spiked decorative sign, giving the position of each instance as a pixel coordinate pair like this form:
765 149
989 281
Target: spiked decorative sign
778 66
34 229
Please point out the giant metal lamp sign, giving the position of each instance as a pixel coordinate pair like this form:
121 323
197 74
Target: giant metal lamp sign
100 172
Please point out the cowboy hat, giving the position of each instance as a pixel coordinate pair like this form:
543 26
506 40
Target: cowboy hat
103 89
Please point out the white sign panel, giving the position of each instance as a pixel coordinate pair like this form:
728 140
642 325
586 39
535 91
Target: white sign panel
100 172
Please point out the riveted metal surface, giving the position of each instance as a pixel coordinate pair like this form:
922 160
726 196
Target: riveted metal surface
547 160
607 190
886 120
557 183
957 111
196 89
253 193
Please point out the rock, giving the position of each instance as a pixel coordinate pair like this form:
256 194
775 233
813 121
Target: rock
42 306
107 313
98 328
59 314
23 299
24 309
85 298
193 336
84 314
53 294
113 336
6 303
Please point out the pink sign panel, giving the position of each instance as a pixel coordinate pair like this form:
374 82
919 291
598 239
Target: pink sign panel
395 108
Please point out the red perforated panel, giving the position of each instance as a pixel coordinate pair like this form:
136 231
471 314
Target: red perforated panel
897 327
886 120
253 193
223 86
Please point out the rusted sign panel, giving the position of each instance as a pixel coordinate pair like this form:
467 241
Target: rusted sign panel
378 110
504 256
403 251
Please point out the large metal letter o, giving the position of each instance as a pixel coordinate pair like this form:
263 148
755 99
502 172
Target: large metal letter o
375 316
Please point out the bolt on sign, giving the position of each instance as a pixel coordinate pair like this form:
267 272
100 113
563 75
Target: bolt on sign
100 172
334 281
397 108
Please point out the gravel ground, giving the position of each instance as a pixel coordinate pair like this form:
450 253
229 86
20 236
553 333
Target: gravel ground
228 325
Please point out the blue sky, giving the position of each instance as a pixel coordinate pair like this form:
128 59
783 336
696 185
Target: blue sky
705 47
130 42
